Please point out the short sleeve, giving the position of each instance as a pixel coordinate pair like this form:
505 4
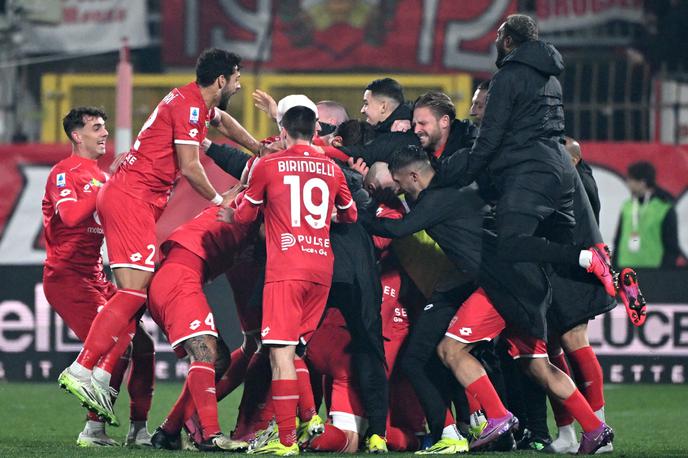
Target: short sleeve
188 124
60 187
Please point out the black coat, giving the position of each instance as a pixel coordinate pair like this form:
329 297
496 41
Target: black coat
590 186
454 219
523 122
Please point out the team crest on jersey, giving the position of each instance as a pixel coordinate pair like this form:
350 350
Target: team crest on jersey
194 113
61 180
95 183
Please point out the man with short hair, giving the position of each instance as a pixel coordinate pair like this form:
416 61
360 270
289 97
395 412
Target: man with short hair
133 200
298 189
73 279
478 102
330 115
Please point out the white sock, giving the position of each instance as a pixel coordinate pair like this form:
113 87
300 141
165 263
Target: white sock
451 432
585 258
477 418
79 371
600 414
567 433
94 426
101 376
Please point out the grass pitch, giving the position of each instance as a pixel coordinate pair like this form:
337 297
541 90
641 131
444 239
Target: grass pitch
39 419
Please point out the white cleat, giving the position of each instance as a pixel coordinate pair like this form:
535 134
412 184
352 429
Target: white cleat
566 441
95 439
105 396
138 439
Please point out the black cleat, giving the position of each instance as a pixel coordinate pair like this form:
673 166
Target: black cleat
165 441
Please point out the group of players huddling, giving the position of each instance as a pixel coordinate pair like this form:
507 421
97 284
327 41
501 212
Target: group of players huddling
377 265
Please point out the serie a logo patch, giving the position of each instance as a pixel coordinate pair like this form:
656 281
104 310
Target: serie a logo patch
194 113
61 180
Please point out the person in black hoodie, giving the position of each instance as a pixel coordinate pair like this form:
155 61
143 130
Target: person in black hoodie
519 143
514 296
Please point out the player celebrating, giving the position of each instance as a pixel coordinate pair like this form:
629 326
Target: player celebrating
134 199
298 189
73 278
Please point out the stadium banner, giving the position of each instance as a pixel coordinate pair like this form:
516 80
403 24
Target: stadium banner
88 26
35 345
324 35
558 15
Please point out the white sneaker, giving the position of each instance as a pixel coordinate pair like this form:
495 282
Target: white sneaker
140 438
95 439
566 441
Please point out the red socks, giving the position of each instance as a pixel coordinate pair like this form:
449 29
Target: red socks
483 391
581 411
306 400
588 376
109 324
449 418
332 440
561 415
285 398
110 360
473 404
234 375
201 384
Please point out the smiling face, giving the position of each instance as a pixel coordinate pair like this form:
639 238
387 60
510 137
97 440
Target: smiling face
374 108
428 128
91 139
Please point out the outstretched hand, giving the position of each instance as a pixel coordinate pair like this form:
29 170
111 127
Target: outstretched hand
265 102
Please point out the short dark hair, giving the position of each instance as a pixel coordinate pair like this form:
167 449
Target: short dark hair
643 171
407 155
438 102
75 118
387 87
521 28
484 85
214 62
355 132
299 122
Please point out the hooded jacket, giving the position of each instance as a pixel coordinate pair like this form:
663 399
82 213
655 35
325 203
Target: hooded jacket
523 122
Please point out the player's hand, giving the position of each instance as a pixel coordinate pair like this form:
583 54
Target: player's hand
358 165
229 195
226 215
264 102
401 125
273 147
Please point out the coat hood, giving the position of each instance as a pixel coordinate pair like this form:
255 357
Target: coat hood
542 56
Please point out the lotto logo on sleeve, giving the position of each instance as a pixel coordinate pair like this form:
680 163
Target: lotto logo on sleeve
194 114
65 192
287 241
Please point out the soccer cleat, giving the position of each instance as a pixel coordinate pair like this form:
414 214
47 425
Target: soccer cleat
478 423
138 439
566 441
104 396
601 267
609 448
495 428
275 447
219 442
81 388
165 441
596 439
95 439
376 444
309 429
263 437
632 298
531 441
446 446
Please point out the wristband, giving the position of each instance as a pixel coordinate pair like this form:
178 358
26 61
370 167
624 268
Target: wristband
217 200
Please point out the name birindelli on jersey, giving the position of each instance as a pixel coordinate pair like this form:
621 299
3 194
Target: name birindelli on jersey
318 166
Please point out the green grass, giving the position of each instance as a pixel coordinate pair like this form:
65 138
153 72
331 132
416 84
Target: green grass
41 420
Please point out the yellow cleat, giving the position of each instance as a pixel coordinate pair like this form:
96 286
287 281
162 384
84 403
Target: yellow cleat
446 446
275 447
376 444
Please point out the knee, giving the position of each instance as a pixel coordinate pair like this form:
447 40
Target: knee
575 339
450 350
202 349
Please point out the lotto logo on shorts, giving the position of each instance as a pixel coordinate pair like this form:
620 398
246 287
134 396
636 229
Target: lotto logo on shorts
136 257
195 324
287 240
465 331
265 332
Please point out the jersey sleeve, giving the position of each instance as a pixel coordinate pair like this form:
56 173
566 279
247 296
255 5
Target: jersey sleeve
254 195
60 188
186 124
346 208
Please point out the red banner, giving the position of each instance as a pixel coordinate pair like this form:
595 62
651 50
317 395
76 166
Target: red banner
335 35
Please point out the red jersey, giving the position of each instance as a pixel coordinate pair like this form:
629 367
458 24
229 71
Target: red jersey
299 189
150 169
213 241
77 244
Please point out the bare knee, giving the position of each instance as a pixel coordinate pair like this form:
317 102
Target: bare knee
202 348
576 338
450 351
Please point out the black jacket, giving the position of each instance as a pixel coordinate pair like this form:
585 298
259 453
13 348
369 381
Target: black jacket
590 186
231 160
454 219
386 141
523 122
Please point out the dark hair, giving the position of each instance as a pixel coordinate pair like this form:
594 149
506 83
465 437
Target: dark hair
406 156
484 85
299 122
214 62
643 171
438 102
75 118
355 132
387 87
520 28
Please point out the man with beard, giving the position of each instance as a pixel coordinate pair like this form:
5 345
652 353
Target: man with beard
478 103
519 143
435 125
132 201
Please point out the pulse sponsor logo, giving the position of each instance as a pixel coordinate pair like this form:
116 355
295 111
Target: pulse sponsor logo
287 241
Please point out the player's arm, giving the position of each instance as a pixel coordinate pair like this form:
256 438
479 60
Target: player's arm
461 169
254 195
428 212
347 211
230 159
191 168
62 191
232 129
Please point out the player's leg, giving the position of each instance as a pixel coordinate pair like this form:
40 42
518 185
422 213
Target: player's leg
140 387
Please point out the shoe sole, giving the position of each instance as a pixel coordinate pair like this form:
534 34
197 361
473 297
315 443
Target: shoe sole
636 307
94 444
